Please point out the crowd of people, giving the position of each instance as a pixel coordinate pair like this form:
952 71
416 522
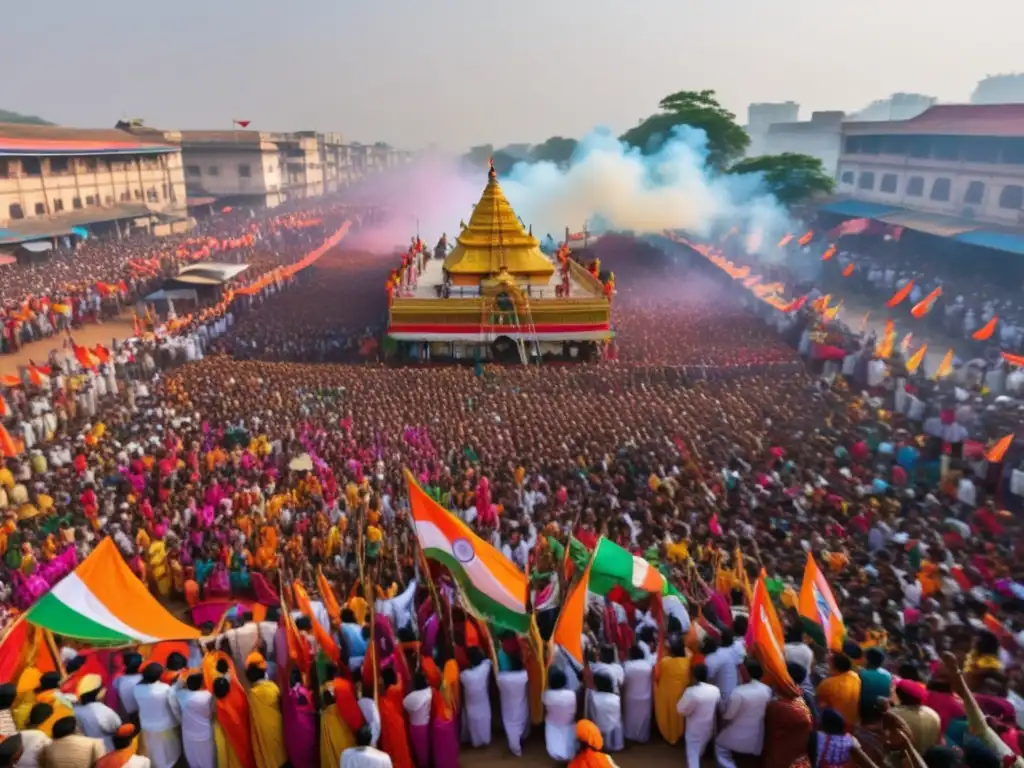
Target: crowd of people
253 460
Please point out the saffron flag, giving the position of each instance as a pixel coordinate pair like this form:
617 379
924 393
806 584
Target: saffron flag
298 648
8 448
495 590
946 366
569 627
884 347
829 253
985 332
817 606
320 632
924 305
852 227
900 295
997 452
328 597
37 377
806 238
765 639
848 270
784 241
915 361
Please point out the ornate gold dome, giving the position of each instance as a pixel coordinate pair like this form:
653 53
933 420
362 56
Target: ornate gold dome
495 241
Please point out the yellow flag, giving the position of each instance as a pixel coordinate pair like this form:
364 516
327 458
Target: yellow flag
915 361
946 366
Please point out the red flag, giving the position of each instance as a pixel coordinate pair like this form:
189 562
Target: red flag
242 123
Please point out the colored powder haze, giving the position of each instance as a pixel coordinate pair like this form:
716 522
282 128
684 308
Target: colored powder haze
608 185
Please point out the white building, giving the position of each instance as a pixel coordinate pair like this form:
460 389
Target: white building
760 118
962 161
819 137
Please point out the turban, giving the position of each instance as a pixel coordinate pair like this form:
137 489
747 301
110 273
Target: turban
255 659
589 734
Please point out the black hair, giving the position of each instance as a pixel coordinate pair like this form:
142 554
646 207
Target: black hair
364 736
556 679
254 673
8 692
348 616
753 667
123 742
273 614
223 667
132 662
987 643
700 673
728 636
796 671
603 683
476 656
221 687
607 654
832 723
940 757
64 727
636 652
176 662
152 672
515 663
874 657
739 625
841 662
39 714
304 624
388 676
194 682
795 634
419 681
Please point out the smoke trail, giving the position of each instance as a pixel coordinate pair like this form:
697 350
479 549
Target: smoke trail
606 185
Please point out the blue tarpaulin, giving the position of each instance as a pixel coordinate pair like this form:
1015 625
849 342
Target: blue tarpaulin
860 209
999 241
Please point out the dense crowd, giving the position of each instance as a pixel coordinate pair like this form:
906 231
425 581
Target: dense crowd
702 446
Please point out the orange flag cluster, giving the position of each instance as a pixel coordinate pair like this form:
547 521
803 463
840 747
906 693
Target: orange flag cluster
924 305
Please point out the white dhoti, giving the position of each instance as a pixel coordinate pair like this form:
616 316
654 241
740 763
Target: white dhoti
163 748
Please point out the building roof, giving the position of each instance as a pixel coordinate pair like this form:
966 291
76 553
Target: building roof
1000 120
52 140
247 139
38 228
495 240
859 209
209 272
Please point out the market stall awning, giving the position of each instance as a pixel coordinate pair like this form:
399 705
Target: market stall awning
103 603
998 241
931 223
209 273
860 209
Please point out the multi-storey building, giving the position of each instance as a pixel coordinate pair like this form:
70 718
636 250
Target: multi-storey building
964 161
54 180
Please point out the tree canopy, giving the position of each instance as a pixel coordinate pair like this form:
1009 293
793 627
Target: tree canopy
557 150
791 177
17 117
698 109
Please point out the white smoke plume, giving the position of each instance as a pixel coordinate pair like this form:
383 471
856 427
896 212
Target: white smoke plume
607 186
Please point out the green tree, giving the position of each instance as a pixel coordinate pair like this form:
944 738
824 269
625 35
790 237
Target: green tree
698 109
16 117
557 150
791 177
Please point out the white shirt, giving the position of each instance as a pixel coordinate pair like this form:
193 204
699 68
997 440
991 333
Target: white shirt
698 705
196 714
98 721
158 709
614 672
397 608
372 715
722 664
365 757
417 704
744 715
560 724
799 653
126 692
32 743
513 694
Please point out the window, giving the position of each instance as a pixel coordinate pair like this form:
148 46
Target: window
163 191
193 170
90 200
15 212
90 164
137 193
108 200
58 205
30 166
940 189
1011 197
58 165
126 196
40 209
270 168
980 149
888 184
244 171
151 195
872 145
918 146
213 170
975 193
946 148
867 180
1013 151
853 145
5 169
76 203
915 186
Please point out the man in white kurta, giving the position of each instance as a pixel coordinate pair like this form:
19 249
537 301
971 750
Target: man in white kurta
514 695
159 718
699 705
197 708
743 718
95 719
363 755
475 680
637 696
559 718
125 684
606 712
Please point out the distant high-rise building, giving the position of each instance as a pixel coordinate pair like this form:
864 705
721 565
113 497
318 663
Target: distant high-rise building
899 106
999 89
762 116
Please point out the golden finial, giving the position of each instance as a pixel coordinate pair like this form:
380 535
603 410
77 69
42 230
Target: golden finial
491 173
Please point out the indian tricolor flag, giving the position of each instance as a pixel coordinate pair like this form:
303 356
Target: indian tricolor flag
817 606
494 589
103 603
614 566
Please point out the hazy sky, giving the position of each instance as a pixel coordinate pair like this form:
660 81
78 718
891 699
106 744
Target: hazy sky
462 72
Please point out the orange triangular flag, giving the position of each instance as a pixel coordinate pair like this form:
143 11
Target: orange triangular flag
985 332
901 294
784 241
569 628
946 366
915 361
996 453
1013 359
921 308
829 253
7 447
848 270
